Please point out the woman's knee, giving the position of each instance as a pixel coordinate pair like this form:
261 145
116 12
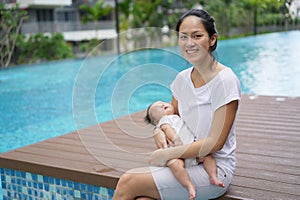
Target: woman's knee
124 182
136 183
123 186
126 179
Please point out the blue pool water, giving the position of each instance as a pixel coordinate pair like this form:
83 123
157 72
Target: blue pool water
38 101
46 100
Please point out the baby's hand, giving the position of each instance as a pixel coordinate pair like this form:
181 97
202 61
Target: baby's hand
178 141
159 138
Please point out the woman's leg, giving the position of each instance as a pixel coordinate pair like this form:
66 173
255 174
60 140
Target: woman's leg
177 167
170 188
136 183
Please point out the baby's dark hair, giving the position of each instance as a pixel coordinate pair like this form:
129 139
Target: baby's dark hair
148 119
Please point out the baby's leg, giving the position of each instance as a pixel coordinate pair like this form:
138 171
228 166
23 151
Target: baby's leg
210 166
177 167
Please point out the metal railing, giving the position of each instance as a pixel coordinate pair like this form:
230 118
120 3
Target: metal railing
62 26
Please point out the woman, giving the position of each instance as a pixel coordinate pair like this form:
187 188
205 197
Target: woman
206 96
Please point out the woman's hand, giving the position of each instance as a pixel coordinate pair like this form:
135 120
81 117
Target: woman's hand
159 158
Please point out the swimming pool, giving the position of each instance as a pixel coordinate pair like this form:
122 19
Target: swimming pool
38 101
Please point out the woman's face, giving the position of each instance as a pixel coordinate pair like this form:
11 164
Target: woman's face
194 41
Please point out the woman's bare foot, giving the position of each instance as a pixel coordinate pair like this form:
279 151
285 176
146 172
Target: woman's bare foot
215 181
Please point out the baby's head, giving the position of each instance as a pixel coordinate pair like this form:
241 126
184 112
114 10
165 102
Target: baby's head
157 110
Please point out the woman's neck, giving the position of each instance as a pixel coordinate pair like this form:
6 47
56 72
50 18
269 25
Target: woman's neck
202 74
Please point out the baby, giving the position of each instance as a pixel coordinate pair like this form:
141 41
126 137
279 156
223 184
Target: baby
162 115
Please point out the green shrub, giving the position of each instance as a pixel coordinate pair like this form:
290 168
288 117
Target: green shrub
40 47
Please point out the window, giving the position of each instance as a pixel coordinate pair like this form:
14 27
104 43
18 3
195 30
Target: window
67 15
45 15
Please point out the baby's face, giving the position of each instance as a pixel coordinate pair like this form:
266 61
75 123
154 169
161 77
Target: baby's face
158 109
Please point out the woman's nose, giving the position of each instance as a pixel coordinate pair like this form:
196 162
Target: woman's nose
190 41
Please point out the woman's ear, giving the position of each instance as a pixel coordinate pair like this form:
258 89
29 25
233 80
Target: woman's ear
213 39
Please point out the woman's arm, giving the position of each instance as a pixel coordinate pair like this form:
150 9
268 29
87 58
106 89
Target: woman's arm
175 105
220 128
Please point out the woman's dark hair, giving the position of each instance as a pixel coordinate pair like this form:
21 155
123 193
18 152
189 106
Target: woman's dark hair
207 20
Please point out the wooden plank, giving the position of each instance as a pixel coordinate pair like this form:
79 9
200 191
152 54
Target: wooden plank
267 185
268 159
245 193
262 166
68 151
269 175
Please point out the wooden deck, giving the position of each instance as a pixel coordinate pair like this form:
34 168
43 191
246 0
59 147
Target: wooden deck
268 152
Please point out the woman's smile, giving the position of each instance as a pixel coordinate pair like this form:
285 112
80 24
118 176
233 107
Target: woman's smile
191 51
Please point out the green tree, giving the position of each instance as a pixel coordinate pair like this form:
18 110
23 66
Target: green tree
222 12
124 13
239 13
262 8
11 21
144 13
94 13
40 47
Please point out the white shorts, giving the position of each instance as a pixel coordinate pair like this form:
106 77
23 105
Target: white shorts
170 189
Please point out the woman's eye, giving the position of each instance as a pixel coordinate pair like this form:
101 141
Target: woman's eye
183 37
197 36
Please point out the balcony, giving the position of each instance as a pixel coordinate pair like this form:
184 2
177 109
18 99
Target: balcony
72 30
39 3
61 26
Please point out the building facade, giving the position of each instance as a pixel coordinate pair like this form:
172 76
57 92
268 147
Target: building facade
64 16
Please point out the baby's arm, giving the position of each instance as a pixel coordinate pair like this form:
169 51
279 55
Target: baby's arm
171 135
160 138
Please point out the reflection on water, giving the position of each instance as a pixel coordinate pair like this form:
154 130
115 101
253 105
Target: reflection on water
266 64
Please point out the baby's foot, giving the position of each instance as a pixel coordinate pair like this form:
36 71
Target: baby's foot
192 192
215 181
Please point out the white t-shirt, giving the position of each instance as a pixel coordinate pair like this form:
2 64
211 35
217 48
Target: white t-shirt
182 131
196 107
